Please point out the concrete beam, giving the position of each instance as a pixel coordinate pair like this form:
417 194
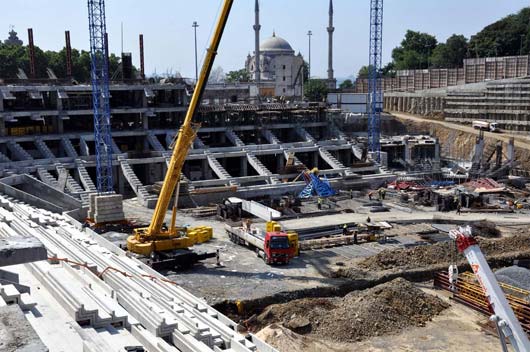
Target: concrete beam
20 250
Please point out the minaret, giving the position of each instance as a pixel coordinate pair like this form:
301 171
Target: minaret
257 27
331 29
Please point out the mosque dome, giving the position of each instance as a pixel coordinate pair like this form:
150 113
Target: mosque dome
276 44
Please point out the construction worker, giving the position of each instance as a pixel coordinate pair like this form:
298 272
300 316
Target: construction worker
368 220
345 230
382 191
351 194
370 194
458 208
319 203
355 237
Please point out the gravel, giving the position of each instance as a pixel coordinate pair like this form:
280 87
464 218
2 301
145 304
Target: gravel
381 310
515 276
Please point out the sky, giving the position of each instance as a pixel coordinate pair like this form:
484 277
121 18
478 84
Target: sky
168 34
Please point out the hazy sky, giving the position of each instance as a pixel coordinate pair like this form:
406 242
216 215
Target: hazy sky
168 35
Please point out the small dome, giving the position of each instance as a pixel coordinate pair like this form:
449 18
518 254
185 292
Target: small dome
276 44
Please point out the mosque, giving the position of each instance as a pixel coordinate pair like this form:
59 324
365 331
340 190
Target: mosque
276 69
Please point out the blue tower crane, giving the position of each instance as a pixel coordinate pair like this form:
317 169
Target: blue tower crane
100 94
375 89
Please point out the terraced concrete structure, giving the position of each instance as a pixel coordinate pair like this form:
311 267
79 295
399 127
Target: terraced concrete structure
46 131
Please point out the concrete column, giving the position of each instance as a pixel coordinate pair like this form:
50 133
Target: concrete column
121 181
3 130
280 162
315 159
400 103
206 174
244 164
145 121
58 125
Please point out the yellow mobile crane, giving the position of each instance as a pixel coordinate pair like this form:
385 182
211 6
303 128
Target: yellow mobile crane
169 247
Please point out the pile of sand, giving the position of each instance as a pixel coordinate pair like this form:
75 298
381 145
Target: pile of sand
384 309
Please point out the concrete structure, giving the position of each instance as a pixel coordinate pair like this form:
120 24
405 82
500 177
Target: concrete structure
473 71
505 102
239 145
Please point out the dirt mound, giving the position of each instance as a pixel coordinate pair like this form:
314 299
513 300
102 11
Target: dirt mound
439 253
384 309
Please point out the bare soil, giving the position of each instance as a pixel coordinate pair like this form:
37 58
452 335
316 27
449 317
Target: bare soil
381 310
440 253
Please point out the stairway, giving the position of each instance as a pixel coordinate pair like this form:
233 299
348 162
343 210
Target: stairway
332 161
46 177
261 169
85 177
218 168
155 143
18 151
198 143
306 136
147 199
4 158
270 137
297 161
43 148
115 148
73 187
69 148
234 138
357 152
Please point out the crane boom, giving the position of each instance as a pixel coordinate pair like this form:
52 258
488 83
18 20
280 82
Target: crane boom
155 238
507 321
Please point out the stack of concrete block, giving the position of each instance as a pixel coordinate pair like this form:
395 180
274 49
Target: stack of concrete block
106 208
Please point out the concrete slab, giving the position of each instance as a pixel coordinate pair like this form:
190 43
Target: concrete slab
19 250
16 334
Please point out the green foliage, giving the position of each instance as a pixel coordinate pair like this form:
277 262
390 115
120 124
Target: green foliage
315 90
13 57
504 37
346 84
451 54
364 71
415 51
237 76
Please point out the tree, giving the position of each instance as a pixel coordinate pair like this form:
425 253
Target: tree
346 84
414 51
13 39
504 37
451 54
237 76
316 90
364 72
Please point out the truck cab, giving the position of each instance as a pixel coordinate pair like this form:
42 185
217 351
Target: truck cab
278 249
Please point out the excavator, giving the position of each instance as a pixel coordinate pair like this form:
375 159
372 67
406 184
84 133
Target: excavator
169 247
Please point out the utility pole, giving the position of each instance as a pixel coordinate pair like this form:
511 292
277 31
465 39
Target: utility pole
309 34
195 25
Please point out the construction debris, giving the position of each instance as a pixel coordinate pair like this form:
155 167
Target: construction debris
384 309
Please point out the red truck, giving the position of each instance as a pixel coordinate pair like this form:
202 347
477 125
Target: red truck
275 247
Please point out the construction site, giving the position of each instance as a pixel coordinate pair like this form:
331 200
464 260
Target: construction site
174 214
